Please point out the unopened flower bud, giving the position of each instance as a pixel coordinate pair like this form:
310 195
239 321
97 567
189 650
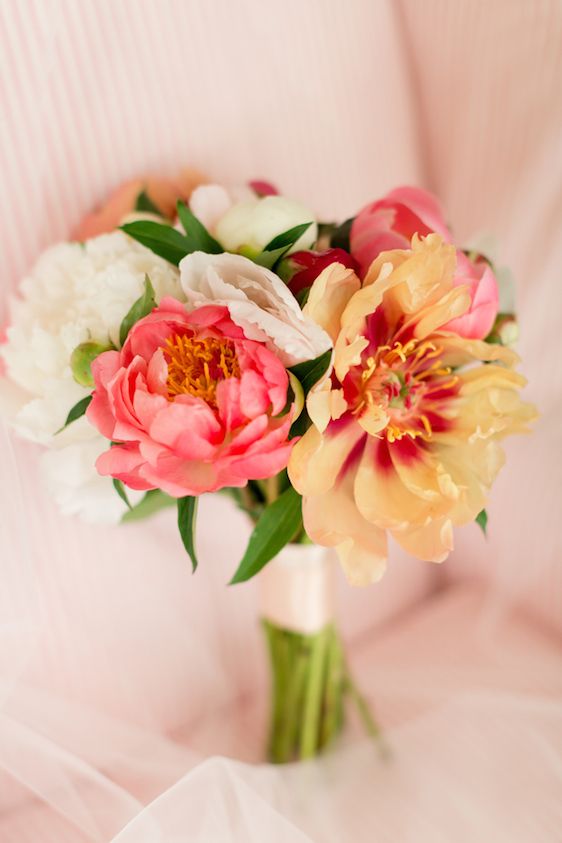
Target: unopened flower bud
81 361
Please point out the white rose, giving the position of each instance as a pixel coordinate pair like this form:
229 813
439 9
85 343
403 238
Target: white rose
258 302
253 222
73 294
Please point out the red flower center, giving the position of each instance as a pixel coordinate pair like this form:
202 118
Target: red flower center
403 380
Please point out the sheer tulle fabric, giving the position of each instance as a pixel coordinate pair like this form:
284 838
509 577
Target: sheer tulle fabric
133 697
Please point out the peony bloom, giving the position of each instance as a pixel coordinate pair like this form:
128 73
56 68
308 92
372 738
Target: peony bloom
195 404
405 435
258 302
163 193
391 222
73 294
242 222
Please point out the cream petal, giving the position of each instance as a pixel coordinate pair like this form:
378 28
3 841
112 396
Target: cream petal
453 304
458 351
325 405
381 496
432 542
373 419
346 356
329 296
209 203
317 459
333 520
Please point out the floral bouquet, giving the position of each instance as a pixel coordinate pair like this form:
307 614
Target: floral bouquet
342 383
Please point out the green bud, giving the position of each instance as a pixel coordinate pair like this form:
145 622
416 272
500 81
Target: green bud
81 361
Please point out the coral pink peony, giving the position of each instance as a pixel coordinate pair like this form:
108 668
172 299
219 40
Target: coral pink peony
391 222
193 404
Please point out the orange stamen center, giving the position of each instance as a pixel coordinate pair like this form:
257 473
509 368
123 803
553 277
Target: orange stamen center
197 365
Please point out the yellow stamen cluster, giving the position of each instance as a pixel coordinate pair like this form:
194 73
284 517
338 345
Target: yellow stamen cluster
406 364
196 365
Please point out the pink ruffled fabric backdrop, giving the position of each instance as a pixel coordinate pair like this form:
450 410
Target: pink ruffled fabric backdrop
124 680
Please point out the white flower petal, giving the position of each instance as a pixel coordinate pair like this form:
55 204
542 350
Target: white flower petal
75 292
209 203
258 301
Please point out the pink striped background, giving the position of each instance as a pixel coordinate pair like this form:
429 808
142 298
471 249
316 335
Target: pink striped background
335 102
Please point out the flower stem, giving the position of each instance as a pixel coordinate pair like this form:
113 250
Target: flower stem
310 681
312 710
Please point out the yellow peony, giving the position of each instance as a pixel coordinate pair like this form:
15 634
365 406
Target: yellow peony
406 427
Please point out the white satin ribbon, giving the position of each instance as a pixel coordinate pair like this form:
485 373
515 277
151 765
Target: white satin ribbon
296 589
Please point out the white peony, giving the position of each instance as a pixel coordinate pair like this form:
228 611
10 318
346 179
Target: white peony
74 293
258 301
251 222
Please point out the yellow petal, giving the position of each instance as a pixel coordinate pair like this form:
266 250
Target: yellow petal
333 520
381 496
347 355
432 542
373 419
317 459
329 296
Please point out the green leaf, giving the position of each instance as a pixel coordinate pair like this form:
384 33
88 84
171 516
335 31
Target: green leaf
340 237
162 239
77 411
269 259
187 513
142 307
278 524
310 372
280 244
288 238
153 501
120 489
144 204
482 520
196 233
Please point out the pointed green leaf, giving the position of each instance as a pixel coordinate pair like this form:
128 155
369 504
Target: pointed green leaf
482 520
187 514
269 259
120 489
287 238
311 371
162 239
142 307
76 412
144 204
280 244
277 526
196 233
308 374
